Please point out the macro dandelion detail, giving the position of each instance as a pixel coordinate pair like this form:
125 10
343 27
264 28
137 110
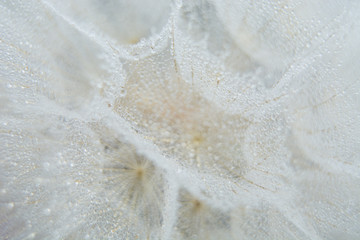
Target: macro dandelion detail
202 119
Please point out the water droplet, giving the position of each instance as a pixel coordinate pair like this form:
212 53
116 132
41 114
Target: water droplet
122 93
47 211
11 205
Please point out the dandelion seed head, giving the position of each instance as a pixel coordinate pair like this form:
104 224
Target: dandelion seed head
204 119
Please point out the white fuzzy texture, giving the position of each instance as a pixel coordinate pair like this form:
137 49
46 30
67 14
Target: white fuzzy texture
205 119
